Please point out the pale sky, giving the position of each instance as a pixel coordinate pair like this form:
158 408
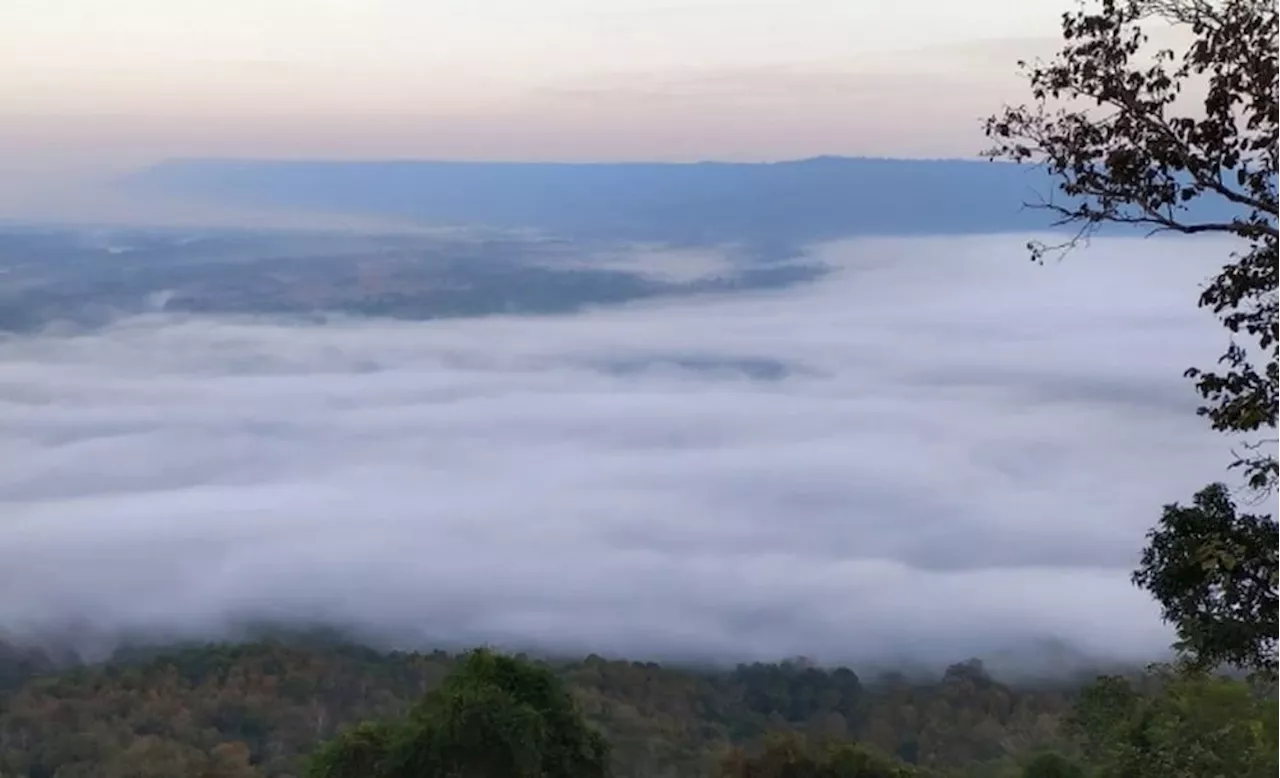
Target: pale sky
107 85
512 41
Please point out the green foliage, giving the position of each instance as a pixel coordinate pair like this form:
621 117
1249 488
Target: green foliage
789 756
1191 726
361 751
1051 764
1214 573
494 717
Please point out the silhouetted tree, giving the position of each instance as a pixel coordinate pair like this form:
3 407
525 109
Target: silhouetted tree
1113 122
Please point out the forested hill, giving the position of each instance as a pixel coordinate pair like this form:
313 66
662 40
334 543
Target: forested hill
258 709
781 204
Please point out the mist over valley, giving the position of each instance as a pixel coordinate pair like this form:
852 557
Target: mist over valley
872 450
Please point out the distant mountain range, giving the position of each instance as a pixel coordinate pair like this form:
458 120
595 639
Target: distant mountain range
782 204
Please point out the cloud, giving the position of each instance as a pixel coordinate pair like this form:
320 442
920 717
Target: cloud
952 451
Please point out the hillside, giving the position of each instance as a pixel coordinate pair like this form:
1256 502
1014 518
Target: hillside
257 709
774 207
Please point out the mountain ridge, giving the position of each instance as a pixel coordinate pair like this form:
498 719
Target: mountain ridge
782 205
778 206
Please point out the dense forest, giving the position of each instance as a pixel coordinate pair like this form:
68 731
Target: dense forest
260 708
271 707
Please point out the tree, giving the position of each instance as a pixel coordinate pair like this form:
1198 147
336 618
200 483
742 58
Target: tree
1194 725
494 717
1213 572
791 756
1051 764
1112 123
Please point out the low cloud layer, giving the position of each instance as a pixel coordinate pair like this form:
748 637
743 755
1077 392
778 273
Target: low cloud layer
938 451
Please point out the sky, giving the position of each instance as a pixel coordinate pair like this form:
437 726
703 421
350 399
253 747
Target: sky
955 451
90 88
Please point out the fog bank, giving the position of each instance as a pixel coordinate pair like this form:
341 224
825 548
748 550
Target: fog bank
937 451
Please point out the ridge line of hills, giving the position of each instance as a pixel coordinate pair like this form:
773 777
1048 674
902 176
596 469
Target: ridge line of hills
782 204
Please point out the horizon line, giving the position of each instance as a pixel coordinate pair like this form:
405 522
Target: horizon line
562 163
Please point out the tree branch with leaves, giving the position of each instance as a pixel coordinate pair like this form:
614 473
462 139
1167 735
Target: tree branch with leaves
1113 122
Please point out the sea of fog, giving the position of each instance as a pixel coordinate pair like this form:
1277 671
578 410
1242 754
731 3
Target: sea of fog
936 451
